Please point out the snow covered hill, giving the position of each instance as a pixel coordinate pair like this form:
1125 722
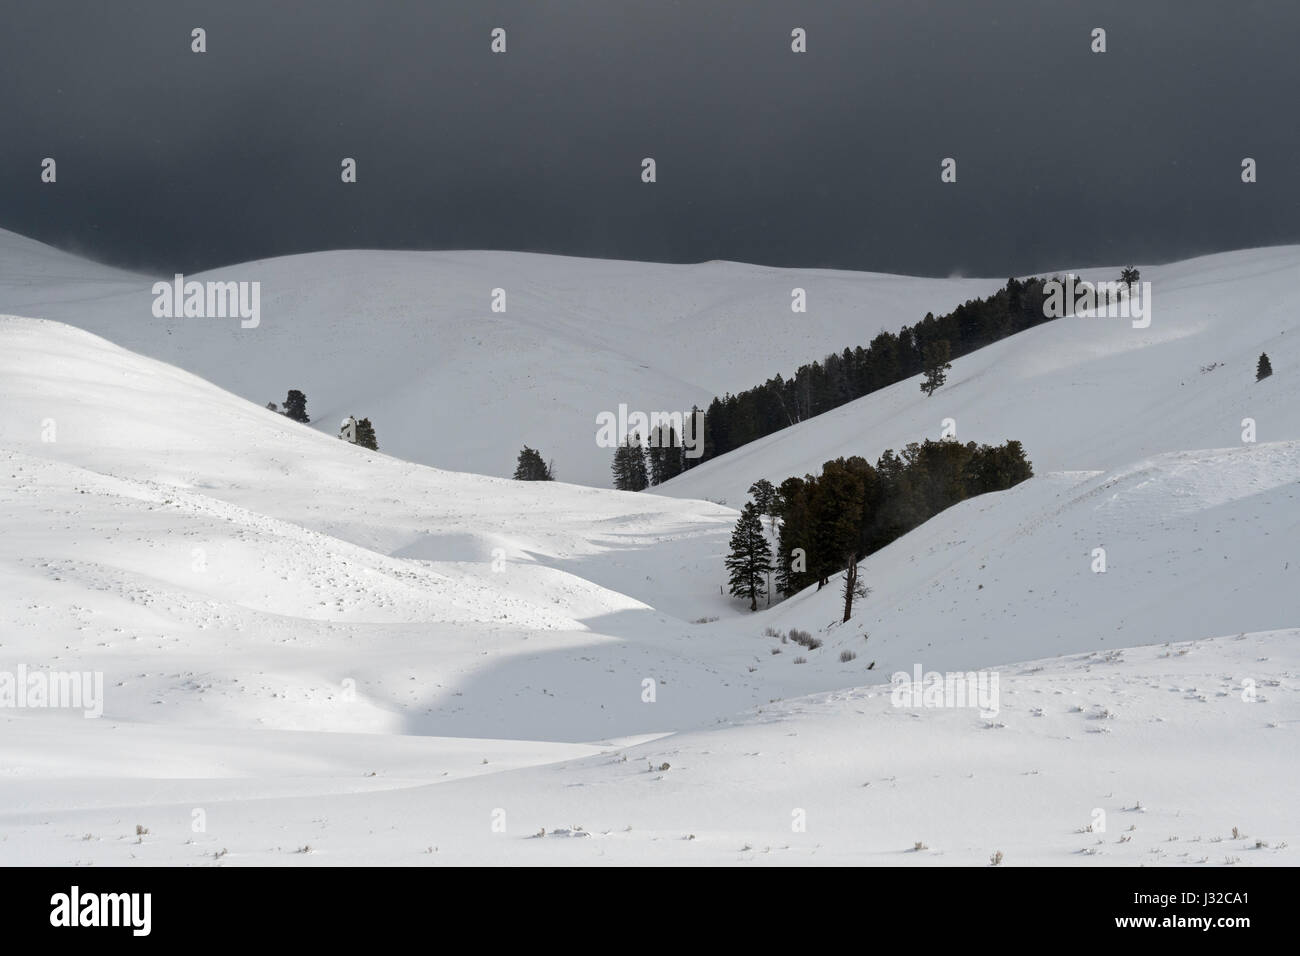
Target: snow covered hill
327 649
410 340
1081 393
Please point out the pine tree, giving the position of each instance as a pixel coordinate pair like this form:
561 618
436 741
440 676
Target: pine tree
655 454
751 557
674 457
764 494
637 477
272 406
531 467
1130 276
619 468
664 455
792 572
629 466
295 406
366 435
1264 369
935 364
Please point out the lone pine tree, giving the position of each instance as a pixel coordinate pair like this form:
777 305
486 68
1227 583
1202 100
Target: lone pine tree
936 365
751 557
295 406
1264 369
366 435
531 467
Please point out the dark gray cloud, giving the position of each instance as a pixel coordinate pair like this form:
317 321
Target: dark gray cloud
169 160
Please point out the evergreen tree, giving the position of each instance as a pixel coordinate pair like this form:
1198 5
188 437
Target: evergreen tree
836 504
1264 369
531 467
619 468
366 435
654 456
638 479
295 406
272 406
764 494
663 454
1130 276
935 366
629 466
792 570
673 459
751 557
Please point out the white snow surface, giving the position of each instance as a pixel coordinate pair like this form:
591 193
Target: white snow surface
329 655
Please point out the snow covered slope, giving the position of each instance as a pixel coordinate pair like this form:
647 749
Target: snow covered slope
410 340
1153 756
151 517
323 647
1080 393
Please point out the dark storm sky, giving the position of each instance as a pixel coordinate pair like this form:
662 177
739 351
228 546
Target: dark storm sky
170 160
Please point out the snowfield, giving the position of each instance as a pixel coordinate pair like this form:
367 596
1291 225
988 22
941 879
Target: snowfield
316 654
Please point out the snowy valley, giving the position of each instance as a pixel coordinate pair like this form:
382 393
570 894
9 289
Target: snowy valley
313 653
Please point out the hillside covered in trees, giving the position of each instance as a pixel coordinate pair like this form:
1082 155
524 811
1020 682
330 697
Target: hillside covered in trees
734 420
829 522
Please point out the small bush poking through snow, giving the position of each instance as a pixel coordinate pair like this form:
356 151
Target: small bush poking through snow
846 656
804 639
801 660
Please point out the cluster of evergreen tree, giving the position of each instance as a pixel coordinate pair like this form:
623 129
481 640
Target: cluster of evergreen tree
637 466
928 346
629 468
295 407
532 467
833 520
